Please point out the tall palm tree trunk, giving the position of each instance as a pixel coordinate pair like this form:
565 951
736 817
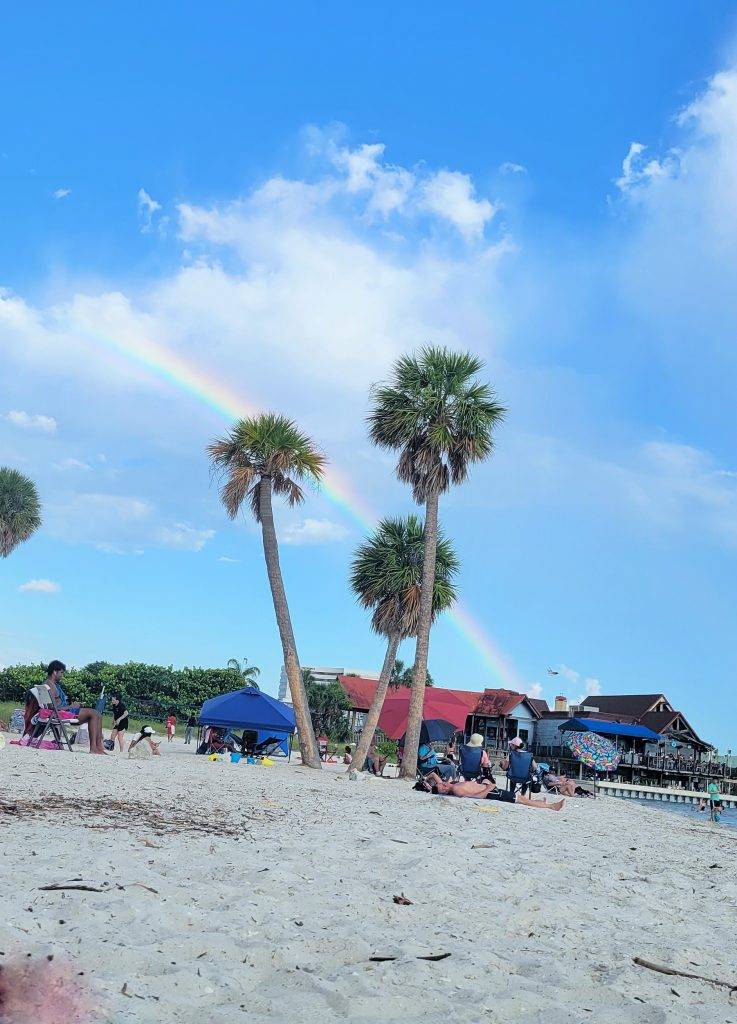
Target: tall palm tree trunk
419 675
307 741
377 704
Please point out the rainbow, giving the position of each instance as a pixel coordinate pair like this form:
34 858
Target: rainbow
166 365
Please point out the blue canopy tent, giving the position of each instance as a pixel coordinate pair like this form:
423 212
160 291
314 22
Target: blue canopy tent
635 732
251 709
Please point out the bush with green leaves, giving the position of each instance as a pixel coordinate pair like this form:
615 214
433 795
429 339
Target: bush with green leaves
151 691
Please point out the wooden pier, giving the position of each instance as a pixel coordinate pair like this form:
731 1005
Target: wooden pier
676 796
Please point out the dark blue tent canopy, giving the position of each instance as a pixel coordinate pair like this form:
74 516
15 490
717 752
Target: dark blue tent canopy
250 709
638 732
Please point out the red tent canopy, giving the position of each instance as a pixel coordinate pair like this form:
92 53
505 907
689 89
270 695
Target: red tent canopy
439 703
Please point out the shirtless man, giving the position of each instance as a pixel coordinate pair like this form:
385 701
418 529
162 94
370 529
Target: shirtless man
487 790
86 716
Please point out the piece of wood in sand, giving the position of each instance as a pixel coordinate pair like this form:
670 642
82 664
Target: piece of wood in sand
673 972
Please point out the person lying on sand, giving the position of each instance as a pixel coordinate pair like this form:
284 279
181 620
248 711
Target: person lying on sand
487 790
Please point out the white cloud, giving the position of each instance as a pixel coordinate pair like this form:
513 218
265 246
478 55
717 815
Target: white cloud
147 209
314 531
62 193
225 558
183 537
39 587
511 168
535 691
72 464
569 673
28 421
637 172
450 194
592 687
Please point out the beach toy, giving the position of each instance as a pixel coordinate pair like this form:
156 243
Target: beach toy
250 759
213 757
234 757
267 761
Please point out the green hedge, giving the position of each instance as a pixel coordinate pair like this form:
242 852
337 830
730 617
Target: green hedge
151 690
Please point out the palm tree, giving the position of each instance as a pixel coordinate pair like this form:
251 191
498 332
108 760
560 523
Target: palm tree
20 509
386 575
246 673
440 420
261 456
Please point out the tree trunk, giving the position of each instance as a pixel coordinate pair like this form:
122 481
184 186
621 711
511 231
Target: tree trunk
376 705
419 675
307 742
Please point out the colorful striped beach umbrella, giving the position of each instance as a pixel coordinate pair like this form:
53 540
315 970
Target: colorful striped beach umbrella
594 751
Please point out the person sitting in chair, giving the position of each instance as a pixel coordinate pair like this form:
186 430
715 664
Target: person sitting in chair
473 758
486 790
85 716
519 765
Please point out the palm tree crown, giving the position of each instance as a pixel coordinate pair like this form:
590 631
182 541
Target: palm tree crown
247 673
386 575
270 446
437 415
20 509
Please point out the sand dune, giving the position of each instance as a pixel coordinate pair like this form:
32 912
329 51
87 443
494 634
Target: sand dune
242 892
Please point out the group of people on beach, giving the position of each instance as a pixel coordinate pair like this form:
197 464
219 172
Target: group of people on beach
465 771
141 745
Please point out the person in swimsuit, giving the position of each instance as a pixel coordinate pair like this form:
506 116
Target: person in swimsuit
120 723
486 790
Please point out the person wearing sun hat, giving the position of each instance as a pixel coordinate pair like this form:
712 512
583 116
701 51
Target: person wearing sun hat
473 758
143 746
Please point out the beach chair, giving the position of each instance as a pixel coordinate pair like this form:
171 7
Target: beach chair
519 772
50 716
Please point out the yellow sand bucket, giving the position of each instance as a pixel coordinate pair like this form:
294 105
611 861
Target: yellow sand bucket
267 761
213 757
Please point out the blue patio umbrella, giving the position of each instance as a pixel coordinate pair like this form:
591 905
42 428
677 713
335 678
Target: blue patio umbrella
436 730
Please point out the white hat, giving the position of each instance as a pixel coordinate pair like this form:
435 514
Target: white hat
148 731
476 740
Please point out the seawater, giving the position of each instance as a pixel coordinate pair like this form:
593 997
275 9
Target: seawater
728 818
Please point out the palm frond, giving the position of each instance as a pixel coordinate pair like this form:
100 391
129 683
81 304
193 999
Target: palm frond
20 509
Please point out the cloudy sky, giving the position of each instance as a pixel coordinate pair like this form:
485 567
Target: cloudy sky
281 202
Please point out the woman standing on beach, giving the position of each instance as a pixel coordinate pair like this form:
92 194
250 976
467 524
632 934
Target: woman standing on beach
120 723
171 728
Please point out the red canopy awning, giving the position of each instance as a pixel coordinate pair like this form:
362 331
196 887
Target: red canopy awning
438 703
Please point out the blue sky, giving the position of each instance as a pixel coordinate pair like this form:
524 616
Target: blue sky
288 198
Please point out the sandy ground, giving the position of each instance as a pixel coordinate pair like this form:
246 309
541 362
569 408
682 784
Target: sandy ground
242 892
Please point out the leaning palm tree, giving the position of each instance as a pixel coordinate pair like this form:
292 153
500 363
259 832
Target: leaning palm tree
20 509
246 673
386 575
440 419
261 456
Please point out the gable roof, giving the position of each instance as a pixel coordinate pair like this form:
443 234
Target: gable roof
499 703
541 706
662 722
634 704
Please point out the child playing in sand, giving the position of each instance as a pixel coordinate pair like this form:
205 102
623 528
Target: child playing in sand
143 746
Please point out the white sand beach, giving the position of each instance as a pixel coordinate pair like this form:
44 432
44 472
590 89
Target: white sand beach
242 892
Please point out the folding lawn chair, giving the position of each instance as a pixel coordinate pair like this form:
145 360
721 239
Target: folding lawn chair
50 717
